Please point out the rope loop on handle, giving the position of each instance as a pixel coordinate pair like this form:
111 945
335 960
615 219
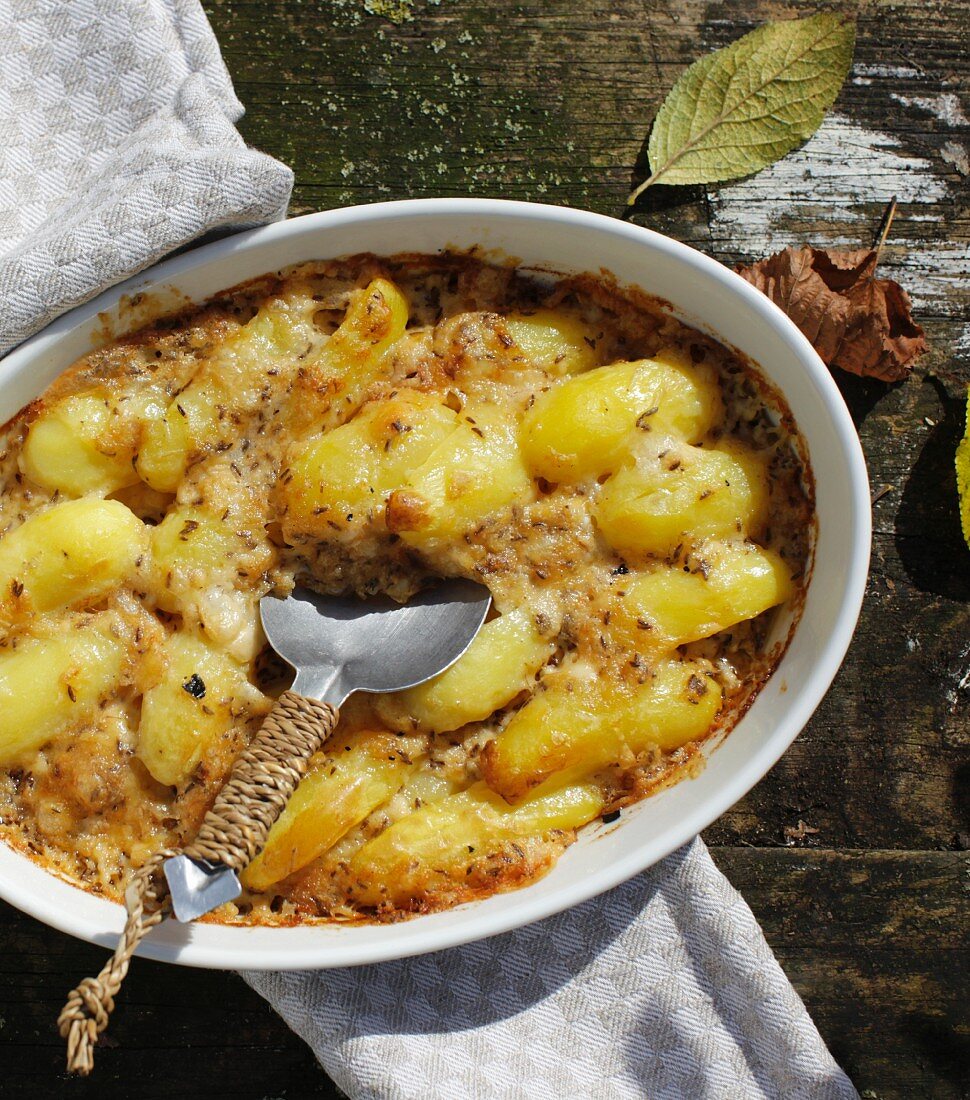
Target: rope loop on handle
89 1006
233 832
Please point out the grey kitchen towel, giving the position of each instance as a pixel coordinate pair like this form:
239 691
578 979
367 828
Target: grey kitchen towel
663 988
117 145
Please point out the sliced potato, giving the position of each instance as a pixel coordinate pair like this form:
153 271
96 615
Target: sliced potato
196 701
553 339
339 375
79 446
228 385
501 661
203 567
51 685
445 838
730 582
166 444
683 495
477 470
581 721
191 550
344 785
347 474
376 319
78 550
583 427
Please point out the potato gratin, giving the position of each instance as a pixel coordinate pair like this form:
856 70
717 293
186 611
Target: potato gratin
634 496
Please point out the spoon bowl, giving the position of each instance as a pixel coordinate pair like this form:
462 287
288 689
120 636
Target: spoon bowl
339 645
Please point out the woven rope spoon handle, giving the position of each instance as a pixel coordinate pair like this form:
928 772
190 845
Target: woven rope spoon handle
233 833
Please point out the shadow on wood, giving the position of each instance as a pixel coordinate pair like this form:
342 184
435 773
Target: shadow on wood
659 197
928 536
945 1047
861 395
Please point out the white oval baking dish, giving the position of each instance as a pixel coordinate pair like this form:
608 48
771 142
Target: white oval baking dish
701 292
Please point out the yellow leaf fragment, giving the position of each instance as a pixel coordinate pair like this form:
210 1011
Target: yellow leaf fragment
963 476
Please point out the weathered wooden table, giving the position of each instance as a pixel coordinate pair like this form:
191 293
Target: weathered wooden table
852 851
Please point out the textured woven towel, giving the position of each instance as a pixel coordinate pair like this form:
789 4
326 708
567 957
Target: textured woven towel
663 989
117 145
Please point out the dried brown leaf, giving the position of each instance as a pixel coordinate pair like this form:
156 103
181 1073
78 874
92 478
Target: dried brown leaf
853 320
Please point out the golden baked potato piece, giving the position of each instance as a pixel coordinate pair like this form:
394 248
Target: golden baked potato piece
273 339
683 495
729 582
429 472
80 445
229 384
49 685
199 695
443 839
166 442
191 549
346 783
501 661
376 319
348 472
581 721
475 471
77 550
208 569
553 339
582 427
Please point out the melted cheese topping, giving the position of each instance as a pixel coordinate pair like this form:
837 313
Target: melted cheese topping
633 495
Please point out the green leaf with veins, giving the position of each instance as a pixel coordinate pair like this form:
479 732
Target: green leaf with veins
741 108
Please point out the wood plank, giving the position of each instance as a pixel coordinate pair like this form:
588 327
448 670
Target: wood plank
539 101
875 943
177 1032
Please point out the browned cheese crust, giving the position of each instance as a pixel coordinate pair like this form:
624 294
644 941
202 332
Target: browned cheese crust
89 803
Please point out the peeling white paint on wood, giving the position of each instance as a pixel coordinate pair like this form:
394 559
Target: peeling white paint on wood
946 107
893 72
937 276
834 180
957 155
831 192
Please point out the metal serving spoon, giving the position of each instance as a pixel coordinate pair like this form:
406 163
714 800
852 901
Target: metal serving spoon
337 646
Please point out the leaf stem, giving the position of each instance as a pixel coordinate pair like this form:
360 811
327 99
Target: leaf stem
885 223
634 195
